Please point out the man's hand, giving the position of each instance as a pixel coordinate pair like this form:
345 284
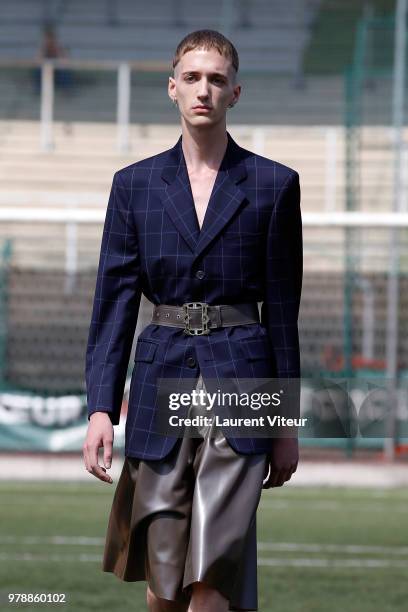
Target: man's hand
99 434
282 460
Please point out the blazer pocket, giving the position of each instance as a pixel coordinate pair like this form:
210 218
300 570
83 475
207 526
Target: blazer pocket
145 350
256 348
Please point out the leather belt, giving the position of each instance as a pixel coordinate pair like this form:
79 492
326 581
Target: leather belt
198 318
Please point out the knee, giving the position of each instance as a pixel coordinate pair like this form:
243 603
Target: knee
157 604
150 599
154 603
204 598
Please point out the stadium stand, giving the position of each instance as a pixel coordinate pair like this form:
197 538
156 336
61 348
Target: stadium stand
48 308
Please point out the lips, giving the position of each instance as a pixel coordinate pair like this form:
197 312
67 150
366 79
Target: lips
203 107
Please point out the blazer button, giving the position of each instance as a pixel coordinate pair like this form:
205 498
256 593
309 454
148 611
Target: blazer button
191 362
200 274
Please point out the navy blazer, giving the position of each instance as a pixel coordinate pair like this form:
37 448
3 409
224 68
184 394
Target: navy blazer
248 249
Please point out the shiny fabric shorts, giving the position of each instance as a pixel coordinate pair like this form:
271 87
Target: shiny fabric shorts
188 517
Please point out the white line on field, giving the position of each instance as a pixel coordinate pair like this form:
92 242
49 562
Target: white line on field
53 557
57 540
354 549
343 548
331 505
311 562
278 561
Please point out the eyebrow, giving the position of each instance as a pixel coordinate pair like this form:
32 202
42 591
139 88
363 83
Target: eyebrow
198 72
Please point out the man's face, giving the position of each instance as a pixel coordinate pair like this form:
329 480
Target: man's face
203 78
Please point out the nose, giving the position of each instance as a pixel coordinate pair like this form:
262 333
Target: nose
203 90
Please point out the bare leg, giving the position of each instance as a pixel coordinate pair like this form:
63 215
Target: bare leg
207 599
157 604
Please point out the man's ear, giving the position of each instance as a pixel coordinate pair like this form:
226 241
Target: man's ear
170 86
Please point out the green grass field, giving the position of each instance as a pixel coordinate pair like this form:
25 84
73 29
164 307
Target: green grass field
320 549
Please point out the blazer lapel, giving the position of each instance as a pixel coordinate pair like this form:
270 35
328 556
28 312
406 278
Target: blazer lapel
226 197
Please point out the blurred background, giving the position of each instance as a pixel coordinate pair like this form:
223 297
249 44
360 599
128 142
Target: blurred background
83 92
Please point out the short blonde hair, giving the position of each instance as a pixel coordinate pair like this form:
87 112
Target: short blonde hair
207 39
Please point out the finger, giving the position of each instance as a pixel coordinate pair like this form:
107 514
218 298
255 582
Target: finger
85 454
100 472
281 477
107 452
277 481
278 477
291 471
87 457
93 447
291 474
285 476
273 478
96 469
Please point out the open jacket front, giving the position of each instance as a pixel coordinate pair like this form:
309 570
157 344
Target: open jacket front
248 249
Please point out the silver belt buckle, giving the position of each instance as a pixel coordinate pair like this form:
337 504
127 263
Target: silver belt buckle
195 306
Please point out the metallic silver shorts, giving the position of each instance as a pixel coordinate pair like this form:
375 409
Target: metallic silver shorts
189 517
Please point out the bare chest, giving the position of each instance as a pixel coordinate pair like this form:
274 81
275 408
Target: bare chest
201 188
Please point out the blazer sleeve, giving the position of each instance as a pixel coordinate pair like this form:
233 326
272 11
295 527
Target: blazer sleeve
115 307
284 273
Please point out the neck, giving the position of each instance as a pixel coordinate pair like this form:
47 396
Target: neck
204 149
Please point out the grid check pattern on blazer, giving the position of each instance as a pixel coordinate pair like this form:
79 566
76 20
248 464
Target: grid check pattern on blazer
248 249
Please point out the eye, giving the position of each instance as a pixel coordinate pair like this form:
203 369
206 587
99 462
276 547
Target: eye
189 77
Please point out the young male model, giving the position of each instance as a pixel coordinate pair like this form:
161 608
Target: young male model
205 230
